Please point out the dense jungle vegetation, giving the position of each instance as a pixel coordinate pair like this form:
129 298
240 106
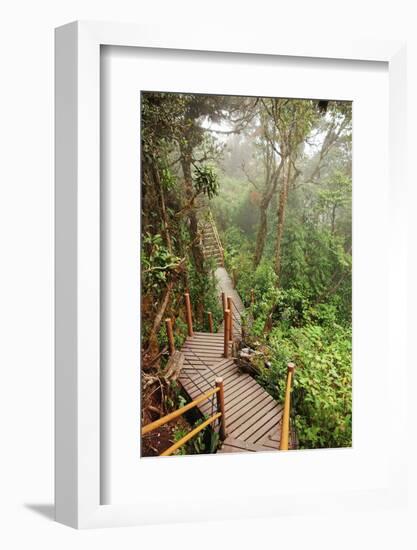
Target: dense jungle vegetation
276 174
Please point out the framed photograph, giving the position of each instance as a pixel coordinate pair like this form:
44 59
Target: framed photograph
241 196
227 220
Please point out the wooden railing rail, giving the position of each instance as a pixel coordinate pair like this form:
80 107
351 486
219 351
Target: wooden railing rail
230 324
219 390
190 435
226 317
224 304
285 430
210 321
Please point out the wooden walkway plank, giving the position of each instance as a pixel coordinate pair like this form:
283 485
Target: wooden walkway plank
238 401
245 412
242 409
255 422
232 445
224 284
272 424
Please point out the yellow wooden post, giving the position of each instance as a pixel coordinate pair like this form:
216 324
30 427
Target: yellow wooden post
220 407
230 308
285 430
210 320
189 314
226 333
175 414
190 435
170 335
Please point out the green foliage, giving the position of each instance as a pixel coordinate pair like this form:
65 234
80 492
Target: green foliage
262 280
234 207
317 338
237 249
206 180
205 442
179 433
168 179
157 262
322 388
174 399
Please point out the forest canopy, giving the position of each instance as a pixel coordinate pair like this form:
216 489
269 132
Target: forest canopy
276 176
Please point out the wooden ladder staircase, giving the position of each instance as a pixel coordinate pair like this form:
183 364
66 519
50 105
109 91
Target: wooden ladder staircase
212 247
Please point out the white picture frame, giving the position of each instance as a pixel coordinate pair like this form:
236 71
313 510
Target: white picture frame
78 411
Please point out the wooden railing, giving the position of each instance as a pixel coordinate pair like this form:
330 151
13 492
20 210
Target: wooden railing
227 304
219 391
227 316
285 430
216 235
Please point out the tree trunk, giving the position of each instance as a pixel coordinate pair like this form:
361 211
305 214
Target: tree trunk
270 189
261 236
153 346
196 250
282 203
333 219
174 366
163 211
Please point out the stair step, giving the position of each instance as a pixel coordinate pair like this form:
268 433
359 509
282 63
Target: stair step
231 445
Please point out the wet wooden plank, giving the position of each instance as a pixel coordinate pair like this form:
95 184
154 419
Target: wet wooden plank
273 437
224 367
256 420
204 335
233 445
213 340
215 344
242 413
243 387
271 442
209 348
272 424
208 384
238 401
244 408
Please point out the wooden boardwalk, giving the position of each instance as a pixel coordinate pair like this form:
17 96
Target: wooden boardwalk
224 284
253 417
